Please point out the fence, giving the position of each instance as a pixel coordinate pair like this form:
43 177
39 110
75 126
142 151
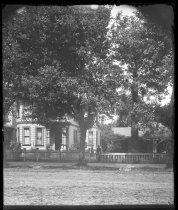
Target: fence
38 155
133 158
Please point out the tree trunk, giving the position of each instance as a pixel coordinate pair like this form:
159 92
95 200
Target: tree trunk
134 143
134 128
82 160
134 117
84 124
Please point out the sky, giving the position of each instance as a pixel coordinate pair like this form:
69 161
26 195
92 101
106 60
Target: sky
125 9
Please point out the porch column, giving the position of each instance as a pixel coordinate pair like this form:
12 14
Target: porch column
154 146
67 137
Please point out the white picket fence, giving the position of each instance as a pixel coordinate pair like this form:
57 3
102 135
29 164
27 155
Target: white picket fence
133 158
37 155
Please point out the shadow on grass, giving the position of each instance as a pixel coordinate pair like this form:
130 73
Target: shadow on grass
76 166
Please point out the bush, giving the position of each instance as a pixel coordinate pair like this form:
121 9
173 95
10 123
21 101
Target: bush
74 147
15 147
48 146
110 141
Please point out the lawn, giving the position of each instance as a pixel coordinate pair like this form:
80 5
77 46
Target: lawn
39 186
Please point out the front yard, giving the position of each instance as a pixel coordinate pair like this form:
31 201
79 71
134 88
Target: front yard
40 186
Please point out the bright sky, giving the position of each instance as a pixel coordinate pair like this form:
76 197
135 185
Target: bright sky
125 9
168 97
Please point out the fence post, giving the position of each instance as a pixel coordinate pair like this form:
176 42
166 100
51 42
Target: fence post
60 155
37 154
24 152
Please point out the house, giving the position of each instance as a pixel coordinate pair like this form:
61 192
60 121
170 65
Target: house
60 135
124 142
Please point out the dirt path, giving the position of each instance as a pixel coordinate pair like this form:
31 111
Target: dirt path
86 187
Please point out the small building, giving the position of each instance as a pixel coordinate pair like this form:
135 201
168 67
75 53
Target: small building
150 141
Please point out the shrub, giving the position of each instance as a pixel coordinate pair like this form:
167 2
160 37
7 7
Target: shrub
48 146
74 147
15 147
110 141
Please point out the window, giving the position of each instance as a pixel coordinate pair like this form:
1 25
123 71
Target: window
47 136
64 138
75 136
39 137
18 134
26 136
28 110
18 112
97 139
90 138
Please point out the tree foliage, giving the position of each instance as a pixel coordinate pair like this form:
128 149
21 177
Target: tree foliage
61 68
143 56
109 140
66 61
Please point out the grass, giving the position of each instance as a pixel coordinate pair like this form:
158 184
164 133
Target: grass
42 186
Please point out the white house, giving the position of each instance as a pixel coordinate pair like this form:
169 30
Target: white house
32 135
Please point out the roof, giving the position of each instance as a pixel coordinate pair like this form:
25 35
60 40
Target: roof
123 131
163 132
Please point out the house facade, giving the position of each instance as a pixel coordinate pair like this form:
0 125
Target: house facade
61 135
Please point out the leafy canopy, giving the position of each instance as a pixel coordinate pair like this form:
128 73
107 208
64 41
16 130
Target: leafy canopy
142 55
60 65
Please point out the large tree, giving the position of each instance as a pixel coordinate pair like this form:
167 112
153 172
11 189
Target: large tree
142 53
61 64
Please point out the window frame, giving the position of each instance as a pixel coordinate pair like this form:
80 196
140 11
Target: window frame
23 140
90 139
47 136
97 139
75 133
42 135
18 134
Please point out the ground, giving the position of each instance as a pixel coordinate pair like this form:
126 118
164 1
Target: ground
38 185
